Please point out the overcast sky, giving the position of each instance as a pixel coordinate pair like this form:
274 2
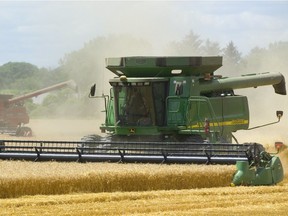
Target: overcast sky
41 32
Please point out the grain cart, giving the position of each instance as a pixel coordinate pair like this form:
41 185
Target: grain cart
13 114
170 110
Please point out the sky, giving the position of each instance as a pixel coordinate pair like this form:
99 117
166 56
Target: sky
42 32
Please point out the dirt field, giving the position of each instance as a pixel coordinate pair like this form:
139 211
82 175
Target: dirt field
221 199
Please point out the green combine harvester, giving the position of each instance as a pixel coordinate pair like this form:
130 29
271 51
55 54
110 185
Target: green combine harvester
170 110
178 99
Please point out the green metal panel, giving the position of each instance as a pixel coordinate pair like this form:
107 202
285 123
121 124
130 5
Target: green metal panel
198 112
268 173
163 66
177 101
225 115
243 175
176 111
110 113
277 169
232 112
199 109
136 130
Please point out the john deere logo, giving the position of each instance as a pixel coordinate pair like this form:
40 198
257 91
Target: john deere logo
132 130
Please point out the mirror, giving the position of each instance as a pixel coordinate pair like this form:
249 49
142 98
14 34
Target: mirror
279 114
93 90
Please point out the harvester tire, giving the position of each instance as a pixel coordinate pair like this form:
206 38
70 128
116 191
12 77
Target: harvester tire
24 132
89 138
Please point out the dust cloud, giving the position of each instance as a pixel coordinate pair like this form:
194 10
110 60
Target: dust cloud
64 129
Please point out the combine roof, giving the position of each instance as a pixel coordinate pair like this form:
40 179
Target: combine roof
163 66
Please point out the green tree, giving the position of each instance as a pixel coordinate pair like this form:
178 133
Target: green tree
21 77
270 59
231 59
211 48
190 45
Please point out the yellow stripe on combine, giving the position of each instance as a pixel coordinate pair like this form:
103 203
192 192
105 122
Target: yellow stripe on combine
225 123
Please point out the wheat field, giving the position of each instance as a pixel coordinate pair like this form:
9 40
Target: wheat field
19 178
271 200
51 188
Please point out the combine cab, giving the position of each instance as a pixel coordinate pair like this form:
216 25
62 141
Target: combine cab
170 110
